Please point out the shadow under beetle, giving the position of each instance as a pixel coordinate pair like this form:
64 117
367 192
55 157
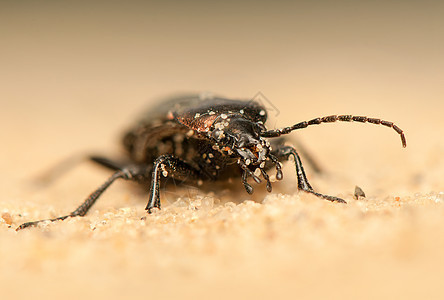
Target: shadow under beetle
206 139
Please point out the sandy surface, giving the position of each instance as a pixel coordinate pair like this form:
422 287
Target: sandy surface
73 77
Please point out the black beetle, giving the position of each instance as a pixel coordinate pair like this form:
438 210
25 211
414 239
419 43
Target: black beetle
205 138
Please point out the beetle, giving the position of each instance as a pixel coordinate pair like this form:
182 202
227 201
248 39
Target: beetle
207 138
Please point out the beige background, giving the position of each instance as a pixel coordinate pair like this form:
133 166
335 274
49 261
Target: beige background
74 75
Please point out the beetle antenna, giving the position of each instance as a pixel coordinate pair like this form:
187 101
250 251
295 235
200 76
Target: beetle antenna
331 119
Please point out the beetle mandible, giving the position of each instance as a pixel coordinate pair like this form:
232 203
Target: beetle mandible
206 138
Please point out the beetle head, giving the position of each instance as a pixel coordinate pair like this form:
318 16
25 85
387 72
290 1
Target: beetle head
236 136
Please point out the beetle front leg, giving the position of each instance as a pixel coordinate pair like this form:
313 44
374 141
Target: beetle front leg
168 166
284 152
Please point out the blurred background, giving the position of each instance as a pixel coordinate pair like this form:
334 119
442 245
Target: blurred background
75 74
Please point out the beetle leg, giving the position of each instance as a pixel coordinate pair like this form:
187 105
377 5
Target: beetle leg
302 150
107 163
308 157
168 166
50 175
128 173
285 152
247 186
